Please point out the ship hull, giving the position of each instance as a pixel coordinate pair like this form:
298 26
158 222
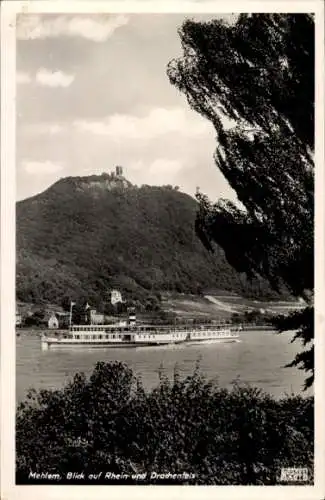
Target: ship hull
212 341
63 343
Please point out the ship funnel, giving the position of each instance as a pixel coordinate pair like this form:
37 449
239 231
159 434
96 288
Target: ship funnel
132 317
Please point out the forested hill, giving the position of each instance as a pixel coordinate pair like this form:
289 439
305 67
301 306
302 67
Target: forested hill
85 235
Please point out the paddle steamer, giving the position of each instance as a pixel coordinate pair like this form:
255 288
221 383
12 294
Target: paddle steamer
132 334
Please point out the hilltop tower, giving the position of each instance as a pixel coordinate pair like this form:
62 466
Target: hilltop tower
118 171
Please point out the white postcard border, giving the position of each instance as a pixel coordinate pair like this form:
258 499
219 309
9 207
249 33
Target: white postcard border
10 491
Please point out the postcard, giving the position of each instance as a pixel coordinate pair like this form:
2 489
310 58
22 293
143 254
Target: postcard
162 249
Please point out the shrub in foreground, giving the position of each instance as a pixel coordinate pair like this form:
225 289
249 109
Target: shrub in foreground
110 423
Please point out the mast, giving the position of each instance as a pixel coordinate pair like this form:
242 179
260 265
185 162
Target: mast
70 318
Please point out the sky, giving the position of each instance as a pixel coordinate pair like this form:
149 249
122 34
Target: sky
93 93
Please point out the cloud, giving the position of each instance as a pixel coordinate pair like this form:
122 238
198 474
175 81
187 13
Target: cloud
44 128
157 122
163 166
158 171
41 167
23 78
53 78
97 28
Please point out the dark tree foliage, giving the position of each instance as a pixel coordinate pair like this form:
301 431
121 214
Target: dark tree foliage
254 80
108 422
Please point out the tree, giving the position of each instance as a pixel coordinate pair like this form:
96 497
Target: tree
80 315
254 80
66 303
38 318
108 422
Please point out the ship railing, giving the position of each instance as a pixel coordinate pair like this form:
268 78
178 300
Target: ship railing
85 329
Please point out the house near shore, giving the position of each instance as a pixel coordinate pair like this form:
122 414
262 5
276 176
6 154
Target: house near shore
96 318
59 320
53 321
63 318
92 317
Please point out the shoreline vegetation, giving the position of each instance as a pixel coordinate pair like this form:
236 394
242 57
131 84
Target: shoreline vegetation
106 429
178 309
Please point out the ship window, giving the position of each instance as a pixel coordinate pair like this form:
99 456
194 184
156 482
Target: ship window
77 336
100 336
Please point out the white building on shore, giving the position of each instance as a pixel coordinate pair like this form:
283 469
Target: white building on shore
116 297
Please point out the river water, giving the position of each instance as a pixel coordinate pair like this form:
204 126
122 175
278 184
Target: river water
258 359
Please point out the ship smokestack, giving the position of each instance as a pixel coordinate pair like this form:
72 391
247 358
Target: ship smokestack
132 318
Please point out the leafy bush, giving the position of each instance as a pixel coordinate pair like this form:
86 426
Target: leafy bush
110 423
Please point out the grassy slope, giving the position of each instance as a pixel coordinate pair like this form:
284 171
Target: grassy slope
189 306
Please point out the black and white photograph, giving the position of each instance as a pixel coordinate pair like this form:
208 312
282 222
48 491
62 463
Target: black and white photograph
162 310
